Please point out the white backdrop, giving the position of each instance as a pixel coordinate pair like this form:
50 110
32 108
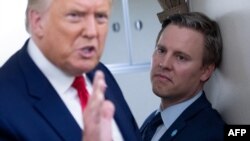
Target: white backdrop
12 27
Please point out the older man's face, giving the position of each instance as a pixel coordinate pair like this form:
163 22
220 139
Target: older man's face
73 32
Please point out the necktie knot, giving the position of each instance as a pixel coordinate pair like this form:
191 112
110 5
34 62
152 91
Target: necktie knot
78 82
80 85
151 127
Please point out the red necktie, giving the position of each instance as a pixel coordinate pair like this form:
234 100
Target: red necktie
80 86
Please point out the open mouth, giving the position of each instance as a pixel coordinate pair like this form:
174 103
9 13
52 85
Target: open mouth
87 52
88 49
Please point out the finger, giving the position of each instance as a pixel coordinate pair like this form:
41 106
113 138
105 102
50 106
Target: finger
107 113
107 110
97 97
99 86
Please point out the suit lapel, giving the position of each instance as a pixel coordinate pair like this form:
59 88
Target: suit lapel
146 122
182 120
46 101
59 118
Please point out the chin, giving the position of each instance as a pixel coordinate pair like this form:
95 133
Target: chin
75 71
87 65
86 69
157 92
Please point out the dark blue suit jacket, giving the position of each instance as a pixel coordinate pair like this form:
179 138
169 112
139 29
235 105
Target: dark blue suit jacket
31 110
199 122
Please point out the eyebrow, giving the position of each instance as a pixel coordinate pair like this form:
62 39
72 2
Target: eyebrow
160 45
174 51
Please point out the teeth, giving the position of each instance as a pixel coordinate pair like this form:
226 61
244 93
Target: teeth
86 50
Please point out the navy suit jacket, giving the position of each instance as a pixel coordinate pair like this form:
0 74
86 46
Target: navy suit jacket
31 110
199 122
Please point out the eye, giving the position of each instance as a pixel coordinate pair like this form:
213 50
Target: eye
102 17
160 50
74 16
181 57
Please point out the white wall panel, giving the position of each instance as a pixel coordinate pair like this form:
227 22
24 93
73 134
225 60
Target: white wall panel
143 41
116 48
229 88
131 45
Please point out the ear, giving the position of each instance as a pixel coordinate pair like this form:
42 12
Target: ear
207 72
35 21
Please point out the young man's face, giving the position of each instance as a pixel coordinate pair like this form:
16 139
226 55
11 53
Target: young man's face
72 33
177 72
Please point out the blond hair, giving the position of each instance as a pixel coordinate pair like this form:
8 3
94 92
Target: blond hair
37 5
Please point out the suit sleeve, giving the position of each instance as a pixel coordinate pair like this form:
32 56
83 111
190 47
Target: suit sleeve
6 132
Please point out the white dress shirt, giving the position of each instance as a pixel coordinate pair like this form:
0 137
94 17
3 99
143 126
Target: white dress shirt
62 84
170 114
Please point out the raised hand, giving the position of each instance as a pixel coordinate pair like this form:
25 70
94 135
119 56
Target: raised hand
99 113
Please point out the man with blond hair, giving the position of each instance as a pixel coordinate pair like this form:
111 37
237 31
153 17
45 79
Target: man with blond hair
42 86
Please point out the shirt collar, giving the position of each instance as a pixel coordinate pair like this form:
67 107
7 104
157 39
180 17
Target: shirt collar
170 114
58 79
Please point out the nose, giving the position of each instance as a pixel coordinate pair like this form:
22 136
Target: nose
90 28
166 62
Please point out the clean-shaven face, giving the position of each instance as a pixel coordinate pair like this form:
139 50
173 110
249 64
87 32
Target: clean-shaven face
177 72
73 33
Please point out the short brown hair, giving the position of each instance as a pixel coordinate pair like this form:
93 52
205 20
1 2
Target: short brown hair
201 23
